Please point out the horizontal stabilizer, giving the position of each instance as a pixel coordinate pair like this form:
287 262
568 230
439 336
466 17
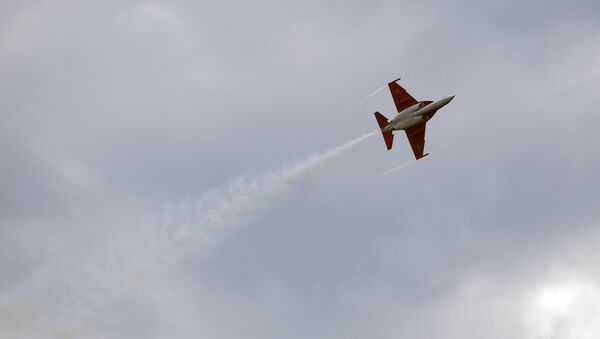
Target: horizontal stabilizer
388 137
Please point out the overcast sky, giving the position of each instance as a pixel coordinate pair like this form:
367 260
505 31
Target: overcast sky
114 113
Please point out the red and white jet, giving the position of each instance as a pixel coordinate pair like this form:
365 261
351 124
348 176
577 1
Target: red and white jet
412 117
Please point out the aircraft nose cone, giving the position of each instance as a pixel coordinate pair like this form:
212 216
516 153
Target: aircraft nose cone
446 100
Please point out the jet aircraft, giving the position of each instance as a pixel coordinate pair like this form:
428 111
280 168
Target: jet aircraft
412 118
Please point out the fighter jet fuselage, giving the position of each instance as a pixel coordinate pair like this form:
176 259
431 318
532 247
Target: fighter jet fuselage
416 114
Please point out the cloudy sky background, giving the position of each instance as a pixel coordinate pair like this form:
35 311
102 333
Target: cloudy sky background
114 113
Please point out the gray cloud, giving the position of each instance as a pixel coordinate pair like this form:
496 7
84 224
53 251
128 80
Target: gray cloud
109 110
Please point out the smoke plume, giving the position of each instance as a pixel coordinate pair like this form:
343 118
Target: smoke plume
62 300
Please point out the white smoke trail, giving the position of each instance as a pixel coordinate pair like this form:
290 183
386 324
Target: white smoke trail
62 300
365 99
392 170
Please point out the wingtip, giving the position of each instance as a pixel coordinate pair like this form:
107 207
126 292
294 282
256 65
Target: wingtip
393 82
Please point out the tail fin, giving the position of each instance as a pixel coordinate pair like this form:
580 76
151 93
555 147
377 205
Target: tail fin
387 136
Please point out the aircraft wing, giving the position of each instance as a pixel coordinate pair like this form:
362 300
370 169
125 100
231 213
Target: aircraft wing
402 99
416 137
